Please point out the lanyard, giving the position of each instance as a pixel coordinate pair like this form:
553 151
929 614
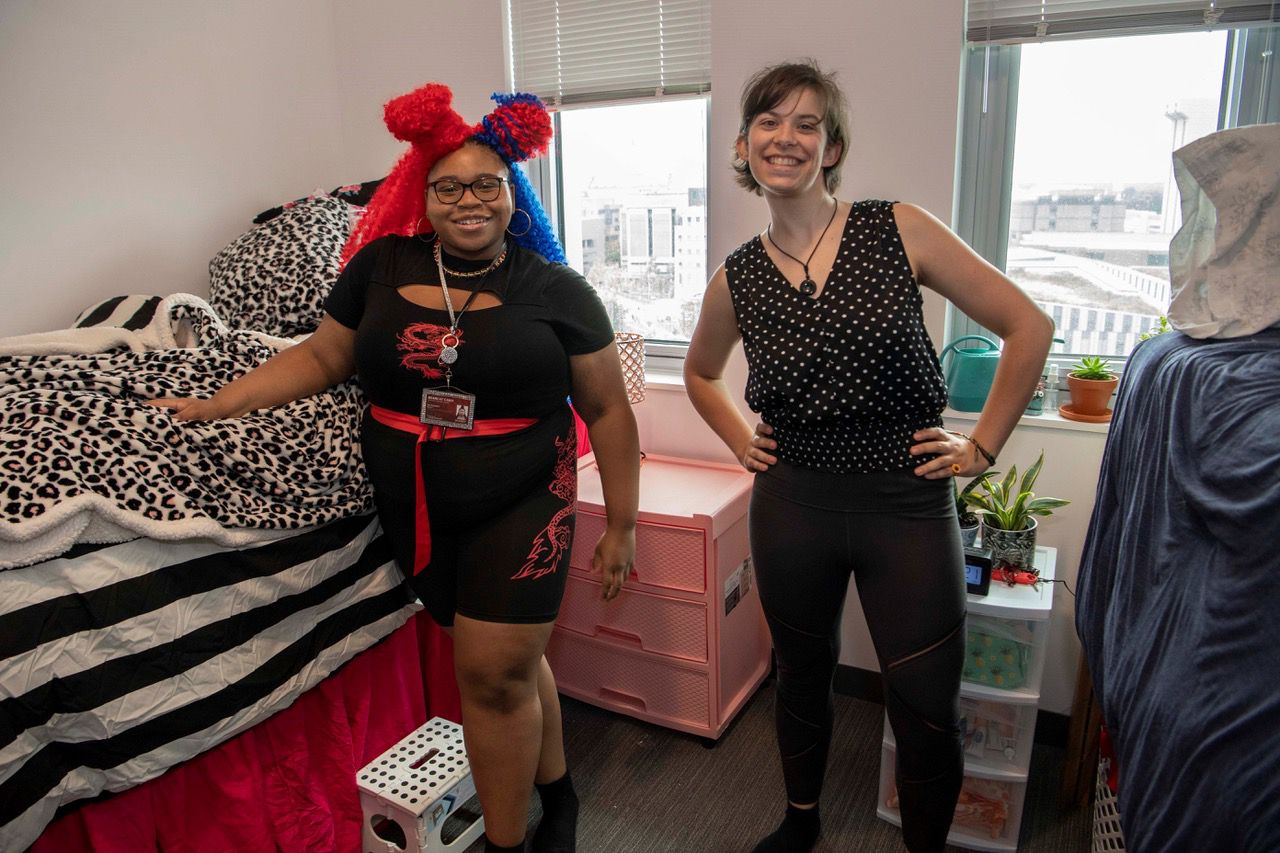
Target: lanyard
449 343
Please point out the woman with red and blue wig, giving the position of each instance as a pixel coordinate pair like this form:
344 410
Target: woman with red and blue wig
468 335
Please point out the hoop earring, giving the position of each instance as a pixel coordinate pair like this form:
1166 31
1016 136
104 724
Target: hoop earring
527 228
418 232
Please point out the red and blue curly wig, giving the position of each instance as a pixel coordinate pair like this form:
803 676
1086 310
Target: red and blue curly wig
518 129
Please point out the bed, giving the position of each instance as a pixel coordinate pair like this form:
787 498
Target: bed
1178 606
202 633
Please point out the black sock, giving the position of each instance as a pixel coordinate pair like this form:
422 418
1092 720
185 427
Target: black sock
559 825
797 833
490 847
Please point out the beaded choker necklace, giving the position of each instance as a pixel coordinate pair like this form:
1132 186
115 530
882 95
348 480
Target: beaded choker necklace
493 264
807 286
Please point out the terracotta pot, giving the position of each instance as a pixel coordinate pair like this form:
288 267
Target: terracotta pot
1091 396
1015 548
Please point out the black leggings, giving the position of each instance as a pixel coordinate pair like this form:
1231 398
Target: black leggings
897 535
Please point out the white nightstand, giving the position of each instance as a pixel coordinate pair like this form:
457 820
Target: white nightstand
1007 634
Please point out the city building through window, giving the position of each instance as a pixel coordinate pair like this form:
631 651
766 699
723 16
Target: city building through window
1093 200
633 208
626 185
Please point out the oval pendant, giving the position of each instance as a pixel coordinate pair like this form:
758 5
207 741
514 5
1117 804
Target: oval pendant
808 287
448 355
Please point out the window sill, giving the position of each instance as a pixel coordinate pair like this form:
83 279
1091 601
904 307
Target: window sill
1046 420
663 380
666 381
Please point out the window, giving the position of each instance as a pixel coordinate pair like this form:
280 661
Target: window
1097 156
632 209
1066 170
626 185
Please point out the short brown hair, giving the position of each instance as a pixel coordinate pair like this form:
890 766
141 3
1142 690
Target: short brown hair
770 86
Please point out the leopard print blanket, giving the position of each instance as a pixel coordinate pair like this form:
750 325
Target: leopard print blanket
83 459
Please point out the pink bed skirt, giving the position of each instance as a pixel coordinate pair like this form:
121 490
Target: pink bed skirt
288 783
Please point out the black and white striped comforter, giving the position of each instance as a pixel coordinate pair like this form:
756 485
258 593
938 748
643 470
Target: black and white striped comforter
121 662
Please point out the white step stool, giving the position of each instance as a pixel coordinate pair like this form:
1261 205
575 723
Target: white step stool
416 785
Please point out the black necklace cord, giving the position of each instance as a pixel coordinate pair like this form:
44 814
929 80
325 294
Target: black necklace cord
807 286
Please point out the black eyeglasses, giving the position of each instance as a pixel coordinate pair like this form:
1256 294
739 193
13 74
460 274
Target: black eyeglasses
449 191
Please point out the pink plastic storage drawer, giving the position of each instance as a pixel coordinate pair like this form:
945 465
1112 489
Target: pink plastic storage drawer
666 557
652 623
662 691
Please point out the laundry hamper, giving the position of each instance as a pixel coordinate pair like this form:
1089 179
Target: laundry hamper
1107 837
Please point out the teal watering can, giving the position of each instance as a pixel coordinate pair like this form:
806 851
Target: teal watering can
970 372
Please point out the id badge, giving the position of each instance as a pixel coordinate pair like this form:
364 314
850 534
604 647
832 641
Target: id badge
448 407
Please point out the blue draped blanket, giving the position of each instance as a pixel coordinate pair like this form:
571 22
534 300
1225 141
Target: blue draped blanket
1179 599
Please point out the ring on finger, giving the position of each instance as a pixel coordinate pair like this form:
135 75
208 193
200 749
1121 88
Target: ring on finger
955 468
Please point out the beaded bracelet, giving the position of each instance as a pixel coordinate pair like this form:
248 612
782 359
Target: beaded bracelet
991 460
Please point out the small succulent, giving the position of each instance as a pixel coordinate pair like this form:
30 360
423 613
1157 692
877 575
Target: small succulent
1092 367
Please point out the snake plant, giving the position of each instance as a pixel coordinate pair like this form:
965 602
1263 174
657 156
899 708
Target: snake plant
1008 504
966 516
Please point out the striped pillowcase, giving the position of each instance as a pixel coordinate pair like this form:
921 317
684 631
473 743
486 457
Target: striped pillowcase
133 312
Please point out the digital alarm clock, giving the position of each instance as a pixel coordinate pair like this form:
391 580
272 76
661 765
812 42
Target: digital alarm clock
977 571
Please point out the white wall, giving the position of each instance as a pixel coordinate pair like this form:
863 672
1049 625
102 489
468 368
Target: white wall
388 47
140 140
141 136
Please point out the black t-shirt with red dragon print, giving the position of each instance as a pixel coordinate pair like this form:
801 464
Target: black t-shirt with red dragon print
513 357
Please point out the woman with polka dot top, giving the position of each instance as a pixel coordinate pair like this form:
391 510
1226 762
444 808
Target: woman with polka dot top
852 464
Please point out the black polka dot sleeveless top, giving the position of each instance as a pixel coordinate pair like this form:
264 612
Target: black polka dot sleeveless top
844 379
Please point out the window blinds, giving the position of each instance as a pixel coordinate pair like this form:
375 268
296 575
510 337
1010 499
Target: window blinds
1011 21
571 51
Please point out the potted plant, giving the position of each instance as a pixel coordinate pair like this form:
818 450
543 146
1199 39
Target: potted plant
1159 328
1008 509
1091 383
969 521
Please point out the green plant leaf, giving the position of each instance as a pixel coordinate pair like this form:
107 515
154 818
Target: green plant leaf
1029 479
961 495
1007 484
1018 512
976 482
1045 506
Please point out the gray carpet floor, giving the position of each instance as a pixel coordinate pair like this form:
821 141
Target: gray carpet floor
646 789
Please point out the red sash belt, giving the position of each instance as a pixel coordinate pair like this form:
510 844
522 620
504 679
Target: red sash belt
429 432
